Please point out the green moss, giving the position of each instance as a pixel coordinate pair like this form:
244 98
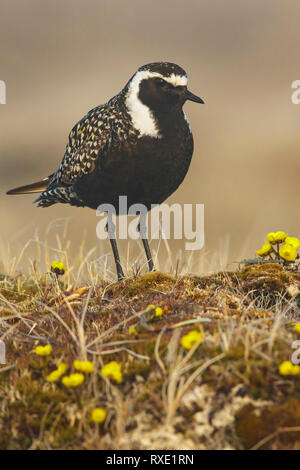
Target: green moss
236 352
24 415
203 282
259 269
138 368
22 289
104 312
150 282
13 295
36 413
252 425
270 276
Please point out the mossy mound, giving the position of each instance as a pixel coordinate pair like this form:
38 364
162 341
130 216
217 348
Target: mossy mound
274 424
149 283
271 276
226 393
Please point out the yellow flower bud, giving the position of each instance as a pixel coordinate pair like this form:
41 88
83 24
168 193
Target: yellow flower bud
158 312
265 249
276 237
43 350
73 380
288 252
53 377
189 340
288 368
58 268
84 366
56 374
132 330
150 307
113 371
294 241
297 328
98 415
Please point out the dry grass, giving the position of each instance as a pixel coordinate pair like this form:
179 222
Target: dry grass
224 393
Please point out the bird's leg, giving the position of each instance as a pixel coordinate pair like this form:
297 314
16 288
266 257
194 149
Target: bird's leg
148 254
142 228
115 250
111 229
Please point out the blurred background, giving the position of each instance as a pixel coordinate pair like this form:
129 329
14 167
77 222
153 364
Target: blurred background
61 58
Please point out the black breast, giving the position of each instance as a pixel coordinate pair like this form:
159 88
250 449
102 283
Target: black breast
147 170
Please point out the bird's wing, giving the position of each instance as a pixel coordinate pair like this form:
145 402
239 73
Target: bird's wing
88 140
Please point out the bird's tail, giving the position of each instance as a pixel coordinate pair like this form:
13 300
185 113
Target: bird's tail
37 187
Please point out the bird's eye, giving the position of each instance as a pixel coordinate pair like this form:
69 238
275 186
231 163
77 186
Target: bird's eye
159 81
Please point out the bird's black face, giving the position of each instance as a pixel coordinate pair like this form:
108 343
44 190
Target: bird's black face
160 94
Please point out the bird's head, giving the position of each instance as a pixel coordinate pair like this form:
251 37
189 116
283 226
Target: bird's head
160 86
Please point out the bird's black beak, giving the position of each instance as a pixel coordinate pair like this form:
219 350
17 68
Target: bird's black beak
191 97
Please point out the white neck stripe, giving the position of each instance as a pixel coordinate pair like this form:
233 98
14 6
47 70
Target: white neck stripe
142 117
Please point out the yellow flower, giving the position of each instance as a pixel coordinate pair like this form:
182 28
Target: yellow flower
53 377
297 328
276 237
288 368
84 366
58 268
73 380
98 415
294 241
113 371
296 370
132 330
189 340
150 307
43 350
158 312
265 249
288 252
56 374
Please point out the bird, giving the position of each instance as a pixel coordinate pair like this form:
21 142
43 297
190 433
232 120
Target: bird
138 144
